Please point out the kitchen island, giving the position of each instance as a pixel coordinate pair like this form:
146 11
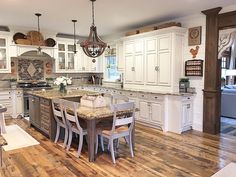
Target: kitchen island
40 108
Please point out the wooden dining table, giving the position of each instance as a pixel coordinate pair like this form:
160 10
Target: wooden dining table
93 116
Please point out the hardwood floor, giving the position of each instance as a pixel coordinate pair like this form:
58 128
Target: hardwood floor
156 154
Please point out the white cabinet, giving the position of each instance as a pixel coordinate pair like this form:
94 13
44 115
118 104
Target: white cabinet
154 59
151 111
4 53
13 101
66 60
134 62
120 57
181 113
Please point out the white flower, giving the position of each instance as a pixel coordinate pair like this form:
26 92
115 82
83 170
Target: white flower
63 80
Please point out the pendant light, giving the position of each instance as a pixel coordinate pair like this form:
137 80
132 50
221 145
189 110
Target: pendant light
74 21
93 46
39 52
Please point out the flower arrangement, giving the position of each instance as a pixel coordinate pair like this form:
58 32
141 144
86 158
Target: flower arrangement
62 82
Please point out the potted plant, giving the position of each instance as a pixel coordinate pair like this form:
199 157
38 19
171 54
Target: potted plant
183 84
13 82
62 82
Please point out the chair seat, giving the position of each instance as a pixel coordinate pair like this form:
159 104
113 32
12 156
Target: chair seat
117 130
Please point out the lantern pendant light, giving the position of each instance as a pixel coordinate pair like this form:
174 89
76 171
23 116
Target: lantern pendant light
93 46
39 52
75 51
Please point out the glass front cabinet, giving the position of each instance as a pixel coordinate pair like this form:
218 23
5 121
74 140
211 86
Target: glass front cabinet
66 60
4 54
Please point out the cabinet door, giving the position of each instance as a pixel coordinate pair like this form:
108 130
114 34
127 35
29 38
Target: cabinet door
37 111
138 46
151 68
156 112
151 45
138 68
129 48
61 56
4 55
164 42
164 72
144 112
129 68
186 113
120 58
19 104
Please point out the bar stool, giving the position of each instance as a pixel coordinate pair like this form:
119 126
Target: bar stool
2 119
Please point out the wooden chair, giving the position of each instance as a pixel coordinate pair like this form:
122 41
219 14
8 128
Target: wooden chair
57 107
70 109
122 127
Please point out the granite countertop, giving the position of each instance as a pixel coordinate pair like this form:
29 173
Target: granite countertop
52 94
9 89
139 90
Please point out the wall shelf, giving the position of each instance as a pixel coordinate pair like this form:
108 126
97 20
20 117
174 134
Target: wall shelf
194 67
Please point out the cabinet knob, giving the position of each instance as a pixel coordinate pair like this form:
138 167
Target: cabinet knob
157 68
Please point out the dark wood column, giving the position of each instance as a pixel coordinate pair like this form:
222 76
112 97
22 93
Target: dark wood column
211 92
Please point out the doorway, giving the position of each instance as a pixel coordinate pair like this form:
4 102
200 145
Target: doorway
212 82
227 55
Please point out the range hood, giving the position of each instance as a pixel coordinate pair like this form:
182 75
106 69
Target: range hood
29 52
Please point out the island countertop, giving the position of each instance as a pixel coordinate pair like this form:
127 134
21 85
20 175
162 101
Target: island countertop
55 93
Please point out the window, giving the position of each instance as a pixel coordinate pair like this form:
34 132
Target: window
111 68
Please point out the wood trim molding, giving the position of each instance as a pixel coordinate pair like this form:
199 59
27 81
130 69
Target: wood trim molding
212 90
211 98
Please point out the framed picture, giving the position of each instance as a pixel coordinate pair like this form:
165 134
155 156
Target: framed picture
194 36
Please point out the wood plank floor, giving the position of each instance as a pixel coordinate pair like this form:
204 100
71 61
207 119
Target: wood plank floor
156 154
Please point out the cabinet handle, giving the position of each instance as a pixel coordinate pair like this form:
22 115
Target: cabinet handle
157 68
188 106
32 100
9 97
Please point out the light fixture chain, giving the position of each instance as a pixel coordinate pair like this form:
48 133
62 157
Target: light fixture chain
93 13
38 25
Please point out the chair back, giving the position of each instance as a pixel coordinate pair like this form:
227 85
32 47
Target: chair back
70 109
117 98
57 107
124 119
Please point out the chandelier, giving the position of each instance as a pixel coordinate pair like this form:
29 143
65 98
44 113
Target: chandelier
39 48
93 46
74 21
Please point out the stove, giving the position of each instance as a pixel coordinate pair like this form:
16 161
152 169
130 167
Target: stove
31 86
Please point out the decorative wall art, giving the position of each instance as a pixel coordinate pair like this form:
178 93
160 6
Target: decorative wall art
194 36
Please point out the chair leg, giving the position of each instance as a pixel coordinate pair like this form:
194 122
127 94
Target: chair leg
57 134
102 142
127 139
80 143
131 146
112 150
65 138
1 154
70 139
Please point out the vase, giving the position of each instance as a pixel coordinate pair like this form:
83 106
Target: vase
62 88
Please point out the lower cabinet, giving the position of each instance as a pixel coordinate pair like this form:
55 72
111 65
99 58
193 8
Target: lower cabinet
40 112
172 113
151 112
181 114
34 111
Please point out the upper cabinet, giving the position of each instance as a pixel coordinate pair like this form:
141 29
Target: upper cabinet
4 53
69 62
66 60
154 59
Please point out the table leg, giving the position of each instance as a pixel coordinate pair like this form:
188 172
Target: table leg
91 128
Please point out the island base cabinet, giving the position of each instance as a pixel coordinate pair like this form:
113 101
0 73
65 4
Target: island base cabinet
34 111
180 114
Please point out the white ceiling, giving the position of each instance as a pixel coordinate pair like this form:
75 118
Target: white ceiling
111 16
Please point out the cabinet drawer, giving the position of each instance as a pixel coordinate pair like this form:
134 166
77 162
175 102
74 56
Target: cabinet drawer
186 98
5 97
143 95
5 93
45 101
154 97
131 94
